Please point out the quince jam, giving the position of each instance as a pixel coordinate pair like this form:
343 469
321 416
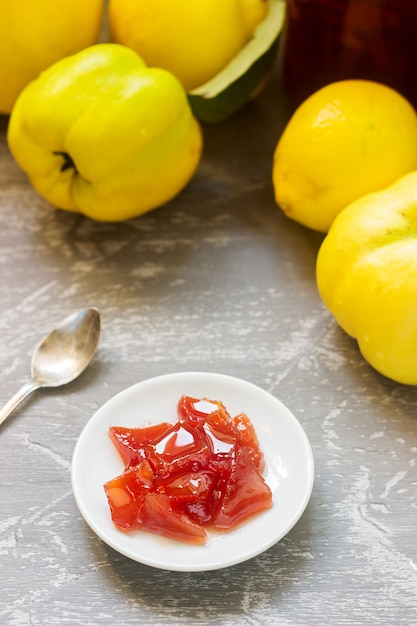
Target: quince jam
204 471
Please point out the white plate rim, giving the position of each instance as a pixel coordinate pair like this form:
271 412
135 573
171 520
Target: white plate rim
225 549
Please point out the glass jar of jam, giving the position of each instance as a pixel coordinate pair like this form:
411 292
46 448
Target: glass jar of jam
328 40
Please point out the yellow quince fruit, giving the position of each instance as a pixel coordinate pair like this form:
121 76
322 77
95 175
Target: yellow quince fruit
35 34
102 134
193 39
348 139
366 276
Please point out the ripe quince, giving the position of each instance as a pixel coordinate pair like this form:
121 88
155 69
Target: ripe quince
222 51
349 138
193 40
102 134
33 35
366 276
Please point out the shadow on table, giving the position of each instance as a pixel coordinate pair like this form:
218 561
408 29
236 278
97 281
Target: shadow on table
248 588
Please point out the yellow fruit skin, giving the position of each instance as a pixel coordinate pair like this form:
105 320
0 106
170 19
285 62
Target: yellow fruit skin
366 276
348 139
36 33
128 129
193 39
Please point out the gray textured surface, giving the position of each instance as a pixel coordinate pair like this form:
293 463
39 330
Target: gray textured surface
218 280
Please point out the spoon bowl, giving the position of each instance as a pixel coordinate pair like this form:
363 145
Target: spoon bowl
62 356
67 350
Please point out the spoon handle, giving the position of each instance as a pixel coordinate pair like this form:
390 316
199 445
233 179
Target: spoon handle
15 400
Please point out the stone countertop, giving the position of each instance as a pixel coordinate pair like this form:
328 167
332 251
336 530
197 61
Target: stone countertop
218 280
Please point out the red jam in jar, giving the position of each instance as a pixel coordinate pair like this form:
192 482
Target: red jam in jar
329 40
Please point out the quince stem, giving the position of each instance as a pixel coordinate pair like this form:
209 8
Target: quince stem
68 163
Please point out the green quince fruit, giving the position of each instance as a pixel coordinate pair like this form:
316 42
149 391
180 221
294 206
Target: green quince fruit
100 133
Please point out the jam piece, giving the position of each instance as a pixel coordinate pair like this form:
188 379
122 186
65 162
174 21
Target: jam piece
159 516
130 442
247 438
193 487
181 449
246 493
126 492
194 411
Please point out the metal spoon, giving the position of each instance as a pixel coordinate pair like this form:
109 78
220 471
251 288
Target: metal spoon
62 355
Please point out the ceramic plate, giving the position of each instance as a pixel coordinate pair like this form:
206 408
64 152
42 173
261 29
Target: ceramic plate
289 469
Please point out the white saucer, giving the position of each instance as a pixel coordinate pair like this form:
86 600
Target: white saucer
289 469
